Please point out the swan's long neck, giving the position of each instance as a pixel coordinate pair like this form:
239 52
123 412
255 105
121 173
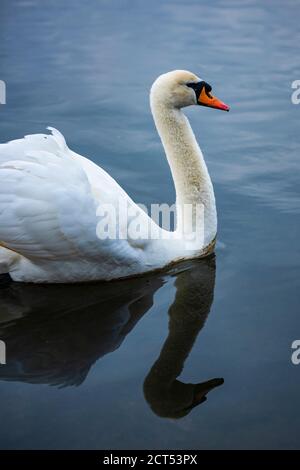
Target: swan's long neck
192 182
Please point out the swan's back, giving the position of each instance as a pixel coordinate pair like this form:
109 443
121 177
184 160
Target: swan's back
48 204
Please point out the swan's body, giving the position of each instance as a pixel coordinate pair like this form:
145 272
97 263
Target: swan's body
50 199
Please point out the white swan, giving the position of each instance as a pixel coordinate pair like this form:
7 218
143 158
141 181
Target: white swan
51 198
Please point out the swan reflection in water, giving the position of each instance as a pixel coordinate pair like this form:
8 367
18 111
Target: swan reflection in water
55 333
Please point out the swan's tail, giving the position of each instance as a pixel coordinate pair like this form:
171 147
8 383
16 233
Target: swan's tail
7 259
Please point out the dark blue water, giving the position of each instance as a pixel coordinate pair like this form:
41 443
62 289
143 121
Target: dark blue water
112 367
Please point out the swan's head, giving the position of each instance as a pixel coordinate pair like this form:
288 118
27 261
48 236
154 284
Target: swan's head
181 88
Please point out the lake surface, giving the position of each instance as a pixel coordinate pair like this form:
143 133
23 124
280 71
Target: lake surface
111 367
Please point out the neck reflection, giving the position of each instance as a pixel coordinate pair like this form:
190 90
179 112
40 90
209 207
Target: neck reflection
167 396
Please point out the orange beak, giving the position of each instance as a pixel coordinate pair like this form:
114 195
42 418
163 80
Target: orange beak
211 101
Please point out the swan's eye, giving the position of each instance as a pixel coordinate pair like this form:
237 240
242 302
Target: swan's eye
198 87
194 85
